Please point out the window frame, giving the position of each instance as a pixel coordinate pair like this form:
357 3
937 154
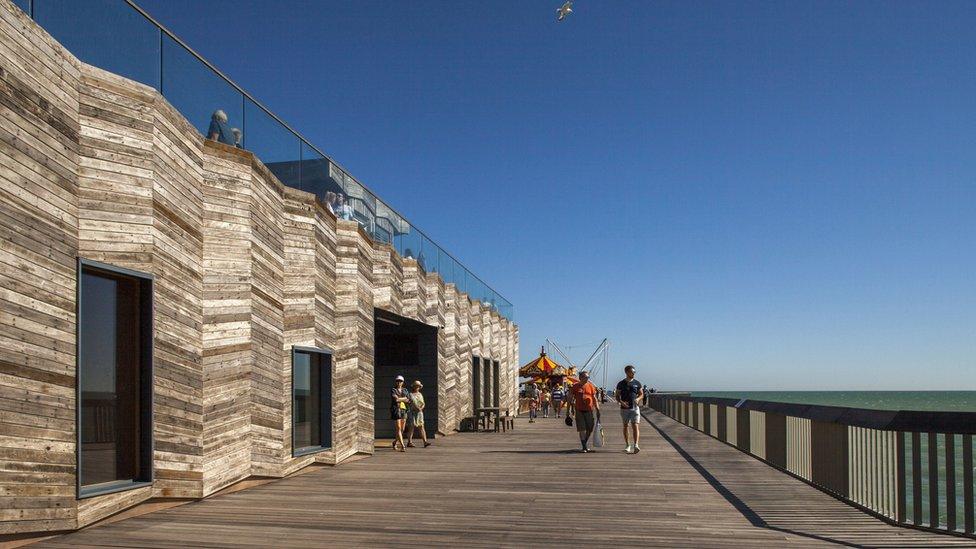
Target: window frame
307 450
147 316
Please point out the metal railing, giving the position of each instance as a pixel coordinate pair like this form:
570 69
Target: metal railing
909 468
120 37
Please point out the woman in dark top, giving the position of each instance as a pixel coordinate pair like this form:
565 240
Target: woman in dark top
398 411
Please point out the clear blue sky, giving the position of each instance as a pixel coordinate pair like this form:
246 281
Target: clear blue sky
741 195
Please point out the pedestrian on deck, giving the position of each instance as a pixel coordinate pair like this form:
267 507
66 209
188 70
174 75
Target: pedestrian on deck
415 414
546 398
398 411
532 395
558 395
628 394
583 400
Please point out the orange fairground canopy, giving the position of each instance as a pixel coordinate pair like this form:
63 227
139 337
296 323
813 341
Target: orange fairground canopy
542 367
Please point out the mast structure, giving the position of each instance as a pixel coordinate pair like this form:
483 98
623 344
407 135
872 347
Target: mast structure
598 359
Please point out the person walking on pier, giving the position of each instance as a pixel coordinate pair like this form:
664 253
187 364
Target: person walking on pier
628 394
546 401
532 395
557 400
415 414
398 411
583 399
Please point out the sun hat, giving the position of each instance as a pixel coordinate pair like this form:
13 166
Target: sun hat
417 383
398 378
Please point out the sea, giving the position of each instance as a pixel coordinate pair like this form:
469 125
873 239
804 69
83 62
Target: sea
926 401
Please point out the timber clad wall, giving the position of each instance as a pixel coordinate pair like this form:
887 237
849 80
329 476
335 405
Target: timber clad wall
96 166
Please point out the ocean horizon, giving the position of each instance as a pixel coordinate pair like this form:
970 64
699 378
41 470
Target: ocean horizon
925 401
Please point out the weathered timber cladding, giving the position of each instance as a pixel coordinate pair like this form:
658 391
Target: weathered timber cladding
97 166
39 134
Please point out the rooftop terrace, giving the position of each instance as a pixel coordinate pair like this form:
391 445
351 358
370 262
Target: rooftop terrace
120 37
524 488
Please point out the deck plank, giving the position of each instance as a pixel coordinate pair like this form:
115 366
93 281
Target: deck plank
521 488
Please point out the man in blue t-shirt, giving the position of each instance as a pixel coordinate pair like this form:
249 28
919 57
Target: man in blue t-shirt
628 394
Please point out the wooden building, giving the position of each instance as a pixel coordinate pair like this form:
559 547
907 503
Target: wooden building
129 238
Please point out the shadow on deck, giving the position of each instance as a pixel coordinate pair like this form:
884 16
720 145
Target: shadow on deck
525 488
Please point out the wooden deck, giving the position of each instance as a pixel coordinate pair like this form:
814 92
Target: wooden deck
527 487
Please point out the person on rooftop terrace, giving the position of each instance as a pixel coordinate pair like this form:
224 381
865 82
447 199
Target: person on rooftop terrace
219 130
342 208
330 202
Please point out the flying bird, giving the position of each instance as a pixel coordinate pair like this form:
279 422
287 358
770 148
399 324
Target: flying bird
564 11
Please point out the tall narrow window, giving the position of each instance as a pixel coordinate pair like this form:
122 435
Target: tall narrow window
114 378
311 400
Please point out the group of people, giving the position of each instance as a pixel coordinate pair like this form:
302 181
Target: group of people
545 400
585 404
407 411
338 205
220 131
582 402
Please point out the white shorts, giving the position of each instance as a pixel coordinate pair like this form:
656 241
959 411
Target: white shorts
630 415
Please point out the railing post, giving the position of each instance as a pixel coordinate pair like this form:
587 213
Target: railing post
917 478
950 481
933 480
900 495
967 483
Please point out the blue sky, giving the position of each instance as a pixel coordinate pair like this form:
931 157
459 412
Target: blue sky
740 195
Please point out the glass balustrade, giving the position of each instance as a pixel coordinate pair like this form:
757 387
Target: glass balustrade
108 34
116 36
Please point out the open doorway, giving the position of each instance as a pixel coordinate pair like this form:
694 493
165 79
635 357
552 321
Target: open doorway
408 348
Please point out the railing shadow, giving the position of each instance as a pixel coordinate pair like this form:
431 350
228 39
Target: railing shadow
748 512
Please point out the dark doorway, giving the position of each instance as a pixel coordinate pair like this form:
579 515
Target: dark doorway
476 382
495 383
408 348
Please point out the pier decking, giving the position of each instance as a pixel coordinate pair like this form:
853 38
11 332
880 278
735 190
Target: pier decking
524 488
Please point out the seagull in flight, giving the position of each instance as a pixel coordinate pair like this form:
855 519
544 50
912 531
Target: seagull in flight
564 11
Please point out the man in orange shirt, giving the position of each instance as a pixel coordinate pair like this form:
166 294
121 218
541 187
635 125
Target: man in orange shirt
583 399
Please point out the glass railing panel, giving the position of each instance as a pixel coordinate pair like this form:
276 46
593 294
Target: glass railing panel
429 255
315 177
445 266
383 230
108 34
272 143
209 102
387 223
362 203
410 242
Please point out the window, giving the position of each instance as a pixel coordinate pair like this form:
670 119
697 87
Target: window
115 336
311 400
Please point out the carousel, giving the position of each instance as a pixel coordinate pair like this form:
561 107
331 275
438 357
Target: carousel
544 371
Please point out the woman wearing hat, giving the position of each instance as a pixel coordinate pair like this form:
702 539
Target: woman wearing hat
415 416
399 399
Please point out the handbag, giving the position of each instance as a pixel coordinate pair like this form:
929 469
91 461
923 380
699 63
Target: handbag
569 421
